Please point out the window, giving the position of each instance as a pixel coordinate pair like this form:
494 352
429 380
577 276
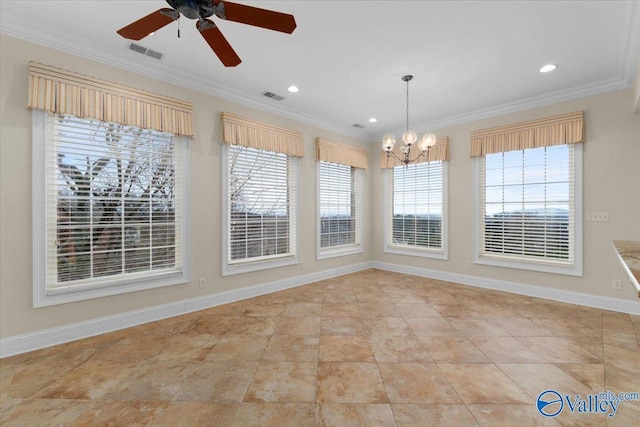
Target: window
340 202
416 210
528 206
110 202
260 209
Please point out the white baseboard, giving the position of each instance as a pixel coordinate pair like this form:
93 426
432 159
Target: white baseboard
201 303
579 298
59 335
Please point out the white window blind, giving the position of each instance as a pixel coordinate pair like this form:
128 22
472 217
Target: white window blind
113 203
416 206
528 205
261 205
340 205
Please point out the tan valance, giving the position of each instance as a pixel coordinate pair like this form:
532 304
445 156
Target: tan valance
238 130
340 153
545 132
64 92
440 151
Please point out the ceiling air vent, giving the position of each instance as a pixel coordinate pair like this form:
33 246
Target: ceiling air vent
358 125
272 95
143 50
154 54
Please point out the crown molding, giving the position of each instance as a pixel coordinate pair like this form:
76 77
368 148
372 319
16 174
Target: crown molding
597 88
21 29
629 64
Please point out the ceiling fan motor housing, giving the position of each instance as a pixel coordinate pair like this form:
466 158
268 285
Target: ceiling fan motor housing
194 9
200 10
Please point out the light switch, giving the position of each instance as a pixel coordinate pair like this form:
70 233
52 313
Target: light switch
598 216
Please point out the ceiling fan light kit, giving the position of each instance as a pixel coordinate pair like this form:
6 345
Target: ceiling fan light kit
200 10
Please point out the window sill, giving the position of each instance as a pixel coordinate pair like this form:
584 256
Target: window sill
424 253
339 251
249 266
540 266
80 293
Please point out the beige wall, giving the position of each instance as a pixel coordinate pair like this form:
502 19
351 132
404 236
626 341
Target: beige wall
611 183
611 179
636 92
16 313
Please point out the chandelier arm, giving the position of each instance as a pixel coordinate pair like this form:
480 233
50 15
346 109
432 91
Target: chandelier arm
391 153
422 153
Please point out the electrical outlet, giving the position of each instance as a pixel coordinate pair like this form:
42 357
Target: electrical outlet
467 264
598 216
616 284
202 283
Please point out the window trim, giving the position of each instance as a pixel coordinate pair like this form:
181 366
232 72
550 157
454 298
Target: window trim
240 267
441 254
43 297
342 250
544 266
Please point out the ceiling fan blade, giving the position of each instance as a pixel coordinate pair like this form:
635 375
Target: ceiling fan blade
257 17
144 26
218 43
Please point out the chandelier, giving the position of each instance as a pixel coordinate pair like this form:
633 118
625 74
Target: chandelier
409 138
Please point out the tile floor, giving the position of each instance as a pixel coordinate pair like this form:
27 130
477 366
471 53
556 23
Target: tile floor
372 348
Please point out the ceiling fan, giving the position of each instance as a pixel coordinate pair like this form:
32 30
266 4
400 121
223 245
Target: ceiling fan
203 9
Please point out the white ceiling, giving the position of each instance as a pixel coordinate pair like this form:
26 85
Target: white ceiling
470 59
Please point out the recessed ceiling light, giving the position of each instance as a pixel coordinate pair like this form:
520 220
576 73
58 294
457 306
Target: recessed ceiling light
548 67
293 89
373 120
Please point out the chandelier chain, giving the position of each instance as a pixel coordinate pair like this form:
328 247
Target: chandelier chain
407 105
